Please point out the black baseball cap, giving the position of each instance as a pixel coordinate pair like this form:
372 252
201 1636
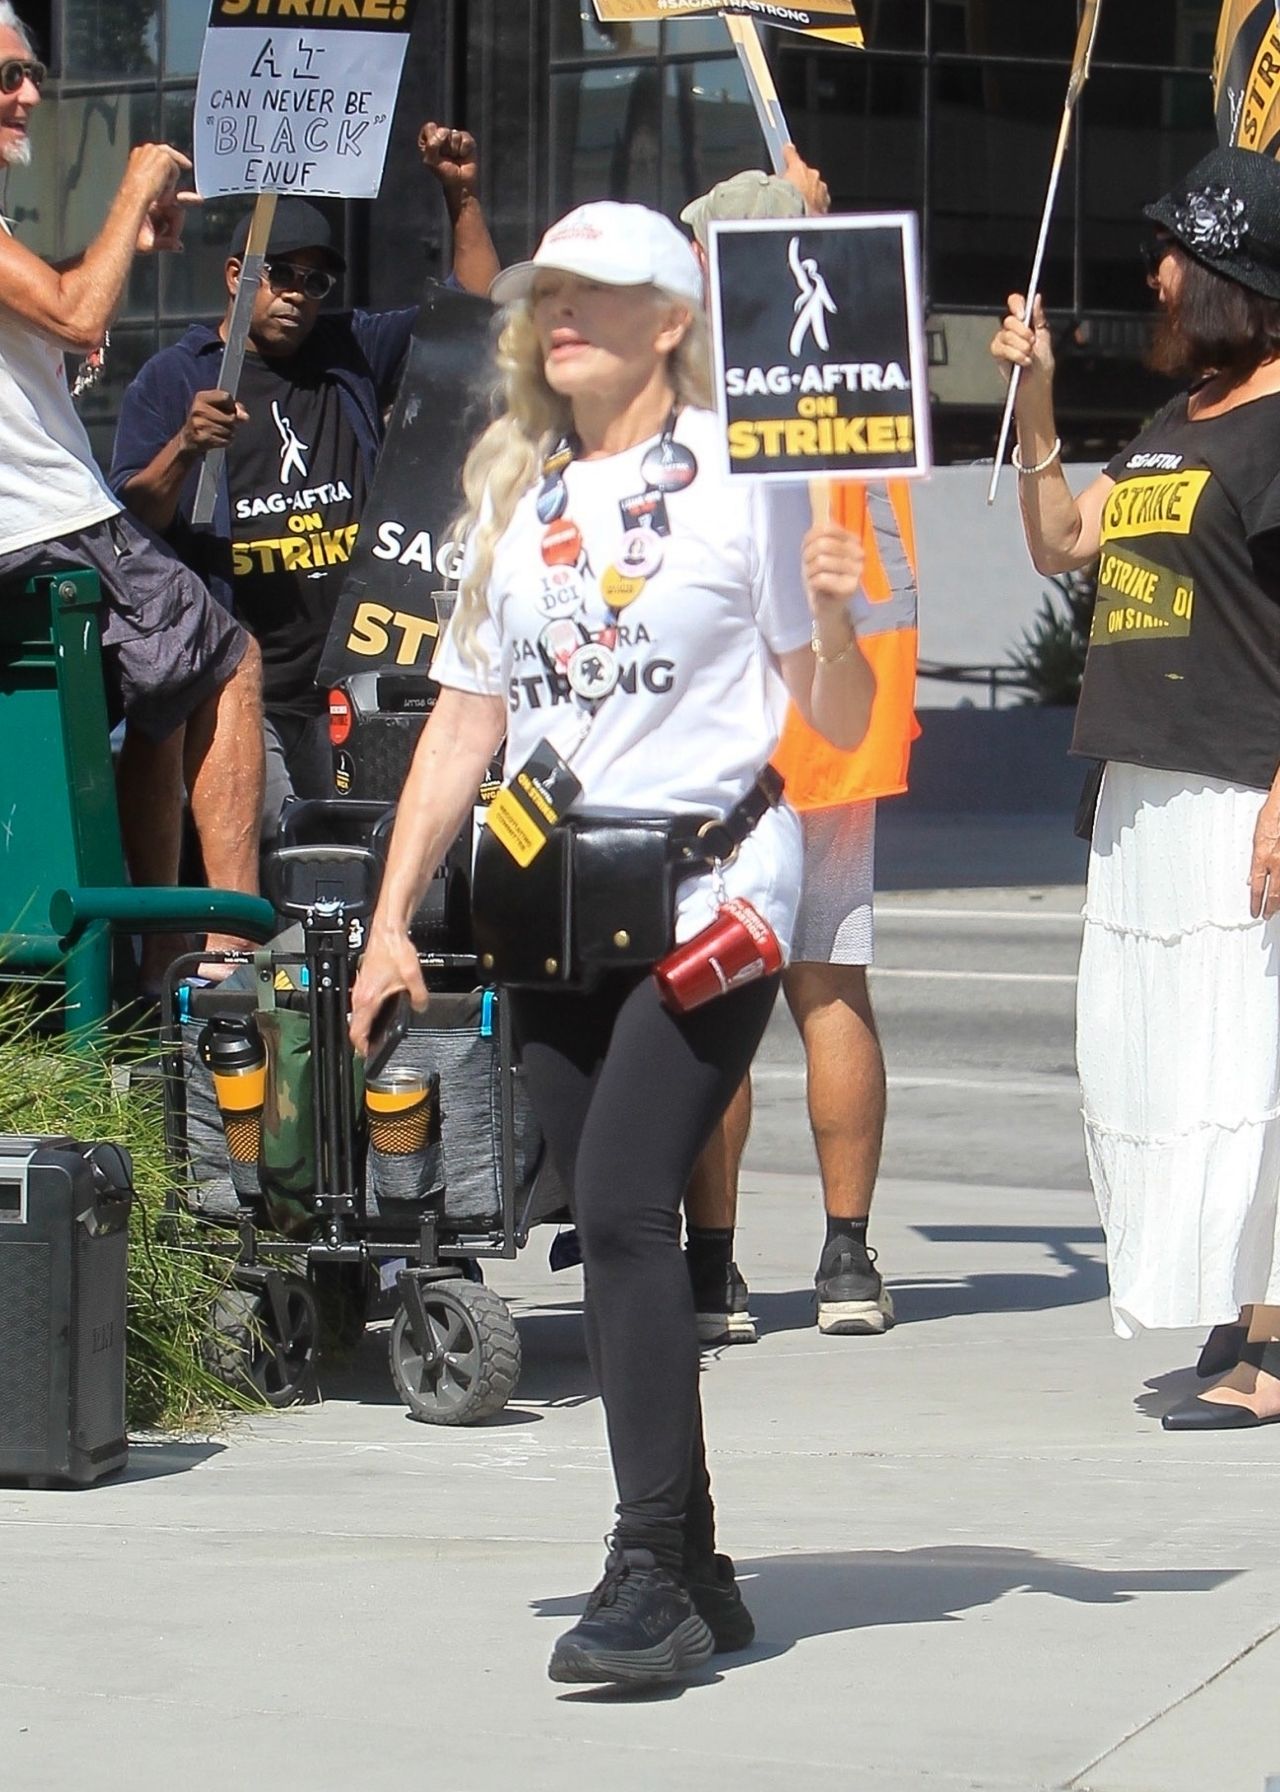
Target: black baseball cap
1226 214
297 225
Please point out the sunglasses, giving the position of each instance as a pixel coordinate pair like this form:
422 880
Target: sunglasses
287 276
15 71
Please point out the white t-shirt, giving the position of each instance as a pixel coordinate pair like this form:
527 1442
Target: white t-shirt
700 702
49 482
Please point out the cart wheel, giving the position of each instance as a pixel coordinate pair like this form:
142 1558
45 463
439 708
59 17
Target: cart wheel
267 1340
472 1368
341 1294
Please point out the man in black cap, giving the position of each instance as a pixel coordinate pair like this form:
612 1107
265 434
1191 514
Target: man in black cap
301 435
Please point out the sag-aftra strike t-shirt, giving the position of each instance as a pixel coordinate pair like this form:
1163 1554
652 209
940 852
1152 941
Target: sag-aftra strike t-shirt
1183 671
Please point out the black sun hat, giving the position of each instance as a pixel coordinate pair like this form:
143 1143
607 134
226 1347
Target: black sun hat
1226 215
297 225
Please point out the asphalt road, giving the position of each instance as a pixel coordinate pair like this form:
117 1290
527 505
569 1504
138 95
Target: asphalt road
974 992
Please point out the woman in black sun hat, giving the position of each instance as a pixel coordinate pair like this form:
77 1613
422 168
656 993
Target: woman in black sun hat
1178 1028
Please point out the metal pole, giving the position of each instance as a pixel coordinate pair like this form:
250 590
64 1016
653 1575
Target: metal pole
1079 75
255 252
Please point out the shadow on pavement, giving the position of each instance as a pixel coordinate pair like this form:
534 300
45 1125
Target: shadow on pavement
798 1596
1169 1389
822 1592
921 1298
153 1459
1084 1276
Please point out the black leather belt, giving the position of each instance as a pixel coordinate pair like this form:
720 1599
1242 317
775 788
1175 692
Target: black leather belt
716 842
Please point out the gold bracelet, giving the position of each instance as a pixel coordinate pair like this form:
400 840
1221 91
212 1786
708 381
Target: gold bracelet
833 659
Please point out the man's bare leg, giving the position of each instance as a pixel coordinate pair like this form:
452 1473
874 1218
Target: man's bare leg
710 1211
711 1200
223 759
831 1006
149 798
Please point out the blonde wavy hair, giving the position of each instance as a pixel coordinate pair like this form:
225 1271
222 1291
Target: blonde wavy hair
507 459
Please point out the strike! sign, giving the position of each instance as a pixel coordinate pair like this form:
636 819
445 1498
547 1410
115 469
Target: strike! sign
819 343
297 96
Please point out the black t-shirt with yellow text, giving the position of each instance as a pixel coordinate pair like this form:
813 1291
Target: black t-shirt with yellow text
1183 670
297 489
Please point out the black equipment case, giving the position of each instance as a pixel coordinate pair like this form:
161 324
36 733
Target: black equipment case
64 1239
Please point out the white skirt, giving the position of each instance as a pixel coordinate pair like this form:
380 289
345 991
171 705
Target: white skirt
1178 1040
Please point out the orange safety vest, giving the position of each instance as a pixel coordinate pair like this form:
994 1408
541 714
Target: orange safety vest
818 775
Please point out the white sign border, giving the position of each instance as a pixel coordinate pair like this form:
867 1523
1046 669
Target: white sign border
908 226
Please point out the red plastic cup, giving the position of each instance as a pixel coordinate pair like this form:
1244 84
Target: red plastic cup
738 947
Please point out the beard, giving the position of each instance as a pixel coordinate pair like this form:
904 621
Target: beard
17 155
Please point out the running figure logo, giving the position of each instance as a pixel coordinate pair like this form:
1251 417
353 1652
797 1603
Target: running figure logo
292 448
814 305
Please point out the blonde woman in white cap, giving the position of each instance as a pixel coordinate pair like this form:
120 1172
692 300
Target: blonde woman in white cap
633 624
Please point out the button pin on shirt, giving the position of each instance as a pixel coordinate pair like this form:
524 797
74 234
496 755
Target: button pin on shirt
562 544
669 467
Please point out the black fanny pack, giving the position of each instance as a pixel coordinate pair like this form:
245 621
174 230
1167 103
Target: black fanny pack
601 894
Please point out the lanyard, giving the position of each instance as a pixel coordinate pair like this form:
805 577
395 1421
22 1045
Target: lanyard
584 655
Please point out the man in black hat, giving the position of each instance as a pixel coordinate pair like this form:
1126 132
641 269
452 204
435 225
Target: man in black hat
301 435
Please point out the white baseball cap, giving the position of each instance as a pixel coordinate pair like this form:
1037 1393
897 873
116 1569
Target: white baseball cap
618 245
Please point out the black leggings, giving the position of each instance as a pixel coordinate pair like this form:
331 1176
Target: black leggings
628 1095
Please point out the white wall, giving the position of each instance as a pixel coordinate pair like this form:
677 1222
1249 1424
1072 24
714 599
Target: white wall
978 588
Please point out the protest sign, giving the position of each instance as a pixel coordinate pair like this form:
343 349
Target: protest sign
819 345
386 618
835 21
297 96
1246 76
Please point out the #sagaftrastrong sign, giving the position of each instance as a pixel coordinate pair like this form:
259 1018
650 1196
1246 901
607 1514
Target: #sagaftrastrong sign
297 96
835 20
820 350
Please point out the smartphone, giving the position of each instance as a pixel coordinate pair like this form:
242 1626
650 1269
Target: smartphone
390 1024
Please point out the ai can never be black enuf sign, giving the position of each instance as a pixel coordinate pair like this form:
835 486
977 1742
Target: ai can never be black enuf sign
820 349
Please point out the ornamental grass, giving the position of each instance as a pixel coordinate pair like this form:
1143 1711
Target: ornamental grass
113 1091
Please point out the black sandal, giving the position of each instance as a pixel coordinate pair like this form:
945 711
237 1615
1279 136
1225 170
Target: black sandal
1221 1350
1199 1414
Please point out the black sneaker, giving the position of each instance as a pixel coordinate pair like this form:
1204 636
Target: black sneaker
714 1590
722 1302
852 1297
640 1628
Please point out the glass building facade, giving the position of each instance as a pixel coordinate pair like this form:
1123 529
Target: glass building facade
952 112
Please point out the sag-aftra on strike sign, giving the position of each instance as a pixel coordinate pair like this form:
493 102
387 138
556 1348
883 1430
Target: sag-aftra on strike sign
819 342
297 96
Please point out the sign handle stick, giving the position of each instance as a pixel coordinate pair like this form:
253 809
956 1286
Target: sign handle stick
820 502
1079 75
264 212
764 95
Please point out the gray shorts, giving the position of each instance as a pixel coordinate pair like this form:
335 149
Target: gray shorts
836 924
166 645
299 763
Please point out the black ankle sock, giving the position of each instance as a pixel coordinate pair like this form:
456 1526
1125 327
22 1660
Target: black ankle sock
840 1232
710 1248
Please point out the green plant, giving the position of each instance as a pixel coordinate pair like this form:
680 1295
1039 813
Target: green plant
48 1087
1051 653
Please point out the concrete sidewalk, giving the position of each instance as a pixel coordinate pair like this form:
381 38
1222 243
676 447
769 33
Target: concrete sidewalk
974 1558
